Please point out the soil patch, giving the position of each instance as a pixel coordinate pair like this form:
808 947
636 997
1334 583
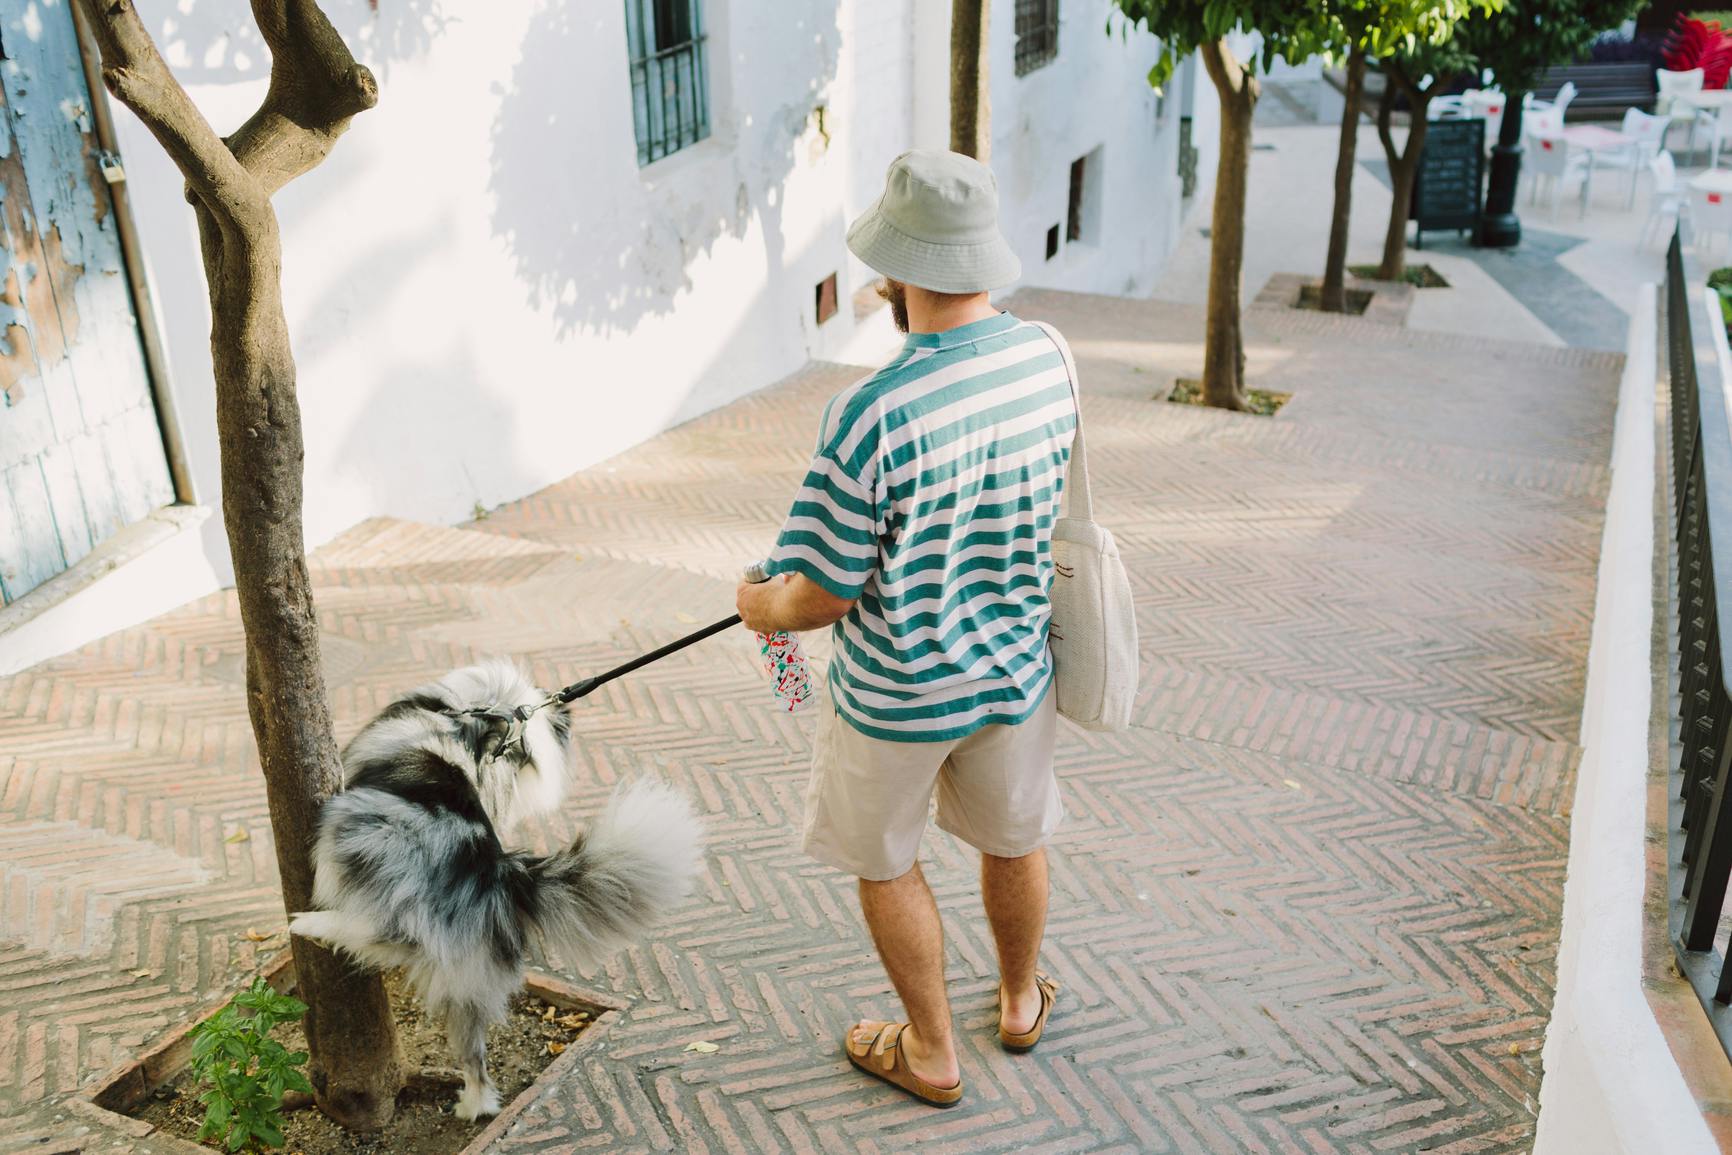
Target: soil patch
1419 276
1358 300
1380 302
1263 402
518 1050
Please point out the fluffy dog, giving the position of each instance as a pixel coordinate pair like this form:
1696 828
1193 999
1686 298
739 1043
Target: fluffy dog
411 870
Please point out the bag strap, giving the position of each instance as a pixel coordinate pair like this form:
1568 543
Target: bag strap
1078 498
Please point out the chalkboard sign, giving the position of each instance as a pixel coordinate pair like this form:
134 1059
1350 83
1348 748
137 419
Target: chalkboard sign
1446 190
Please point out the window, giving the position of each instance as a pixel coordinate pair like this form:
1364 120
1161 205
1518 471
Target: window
670 79
1036 34
1083 207
1052 242
1073 218
826 298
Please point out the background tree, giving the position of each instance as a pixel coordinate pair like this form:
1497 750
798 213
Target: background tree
1417 74
970 78
1362 30
315 88
1202 26
1518 43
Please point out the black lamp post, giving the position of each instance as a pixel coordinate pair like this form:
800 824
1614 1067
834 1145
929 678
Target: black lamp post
1499 227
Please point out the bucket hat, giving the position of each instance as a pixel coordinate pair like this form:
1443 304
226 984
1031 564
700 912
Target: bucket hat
936 226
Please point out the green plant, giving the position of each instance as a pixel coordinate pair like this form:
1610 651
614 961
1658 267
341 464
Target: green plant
244 1071
1720 280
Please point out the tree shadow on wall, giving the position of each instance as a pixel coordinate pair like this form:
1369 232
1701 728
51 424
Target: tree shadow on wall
206 42
600 242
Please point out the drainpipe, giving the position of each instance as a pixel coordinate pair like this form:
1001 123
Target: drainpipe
149 334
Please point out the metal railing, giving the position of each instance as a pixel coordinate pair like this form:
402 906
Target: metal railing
1700 851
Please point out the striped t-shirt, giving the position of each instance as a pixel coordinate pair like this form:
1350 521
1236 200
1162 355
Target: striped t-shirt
931 500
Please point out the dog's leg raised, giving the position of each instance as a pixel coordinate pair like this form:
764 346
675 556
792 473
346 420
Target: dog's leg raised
466 1027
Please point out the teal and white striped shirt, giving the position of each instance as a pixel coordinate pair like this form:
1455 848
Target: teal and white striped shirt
931 500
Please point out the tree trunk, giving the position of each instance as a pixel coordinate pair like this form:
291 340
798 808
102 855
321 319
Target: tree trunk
1223 343
970 87
316 87
356 1069
1334 296
1403 166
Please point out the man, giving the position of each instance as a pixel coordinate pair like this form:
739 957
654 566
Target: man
923 532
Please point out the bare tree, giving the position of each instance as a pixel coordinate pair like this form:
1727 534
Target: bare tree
970 78
315 89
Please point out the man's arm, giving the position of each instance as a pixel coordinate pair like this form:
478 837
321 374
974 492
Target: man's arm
796 603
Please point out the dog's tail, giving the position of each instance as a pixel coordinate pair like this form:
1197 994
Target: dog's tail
632 863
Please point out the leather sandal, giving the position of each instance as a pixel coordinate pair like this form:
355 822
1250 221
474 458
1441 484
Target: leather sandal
879 1054
1024 1042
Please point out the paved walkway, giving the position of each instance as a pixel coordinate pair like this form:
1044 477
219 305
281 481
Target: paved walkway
1572 282
1309 903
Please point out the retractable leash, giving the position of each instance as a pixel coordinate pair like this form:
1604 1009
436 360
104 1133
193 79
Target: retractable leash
589 685
781 653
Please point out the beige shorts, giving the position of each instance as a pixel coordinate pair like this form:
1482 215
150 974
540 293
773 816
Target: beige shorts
867 803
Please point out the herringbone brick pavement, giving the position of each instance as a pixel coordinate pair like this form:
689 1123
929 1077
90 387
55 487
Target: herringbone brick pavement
1308 903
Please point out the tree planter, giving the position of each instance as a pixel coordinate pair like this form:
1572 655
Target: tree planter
1259 402
1419 276
1385 302
112 1102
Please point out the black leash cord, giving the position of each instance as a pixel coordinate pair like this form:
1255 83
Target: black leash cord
589 685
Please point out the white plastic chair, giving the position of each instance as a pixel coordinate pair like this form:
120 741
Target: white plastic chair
1446 108
1552 159
1667 202
1488 104
1544 120
1710 213
1645 132
1566 93
1666 104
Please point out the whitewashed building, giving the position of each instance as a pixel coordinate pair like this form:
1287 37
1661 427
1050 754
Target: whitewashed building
565 227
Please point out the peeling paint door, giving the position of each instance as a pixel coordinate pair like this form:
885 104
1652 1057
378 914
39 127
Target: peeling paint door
81 452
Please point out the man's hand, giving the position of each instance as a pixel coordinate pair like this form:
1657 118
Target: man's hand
795 603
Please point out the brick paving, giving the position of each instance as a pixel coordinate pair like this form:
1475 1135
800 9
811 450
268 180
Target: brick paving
1308 903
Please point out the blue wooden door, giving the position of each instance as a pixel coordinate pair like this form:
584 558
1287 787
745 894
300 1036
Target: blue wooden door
81 451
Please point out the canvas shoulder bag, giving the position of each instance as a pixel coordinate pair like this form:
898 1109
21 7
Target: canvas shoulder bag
1094 624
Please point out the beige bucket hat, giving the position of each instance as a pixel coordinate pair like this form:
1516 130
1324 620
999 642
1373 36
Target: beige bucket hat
936 226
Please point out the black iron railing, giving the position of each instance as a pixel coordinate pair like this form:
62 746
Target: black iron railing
1701 820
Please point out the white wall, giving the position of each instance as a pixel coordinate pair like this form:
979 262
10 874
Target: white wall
1094 95
1611 1084
486 292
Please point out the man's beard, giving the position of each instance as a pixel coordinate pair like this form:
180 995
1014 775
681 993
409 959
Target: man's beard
896 293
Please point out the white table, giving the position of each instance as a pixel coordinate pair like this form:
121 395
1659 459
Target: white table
1713 212
1598 141
1712 103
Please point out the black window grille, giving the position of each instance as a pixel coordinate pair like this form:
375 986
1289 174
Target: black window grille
670 79
1036 34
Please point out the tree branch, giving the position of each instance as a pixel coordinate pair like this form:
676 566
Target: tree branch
138 76
1385 112
1415 106
316 89
1223 69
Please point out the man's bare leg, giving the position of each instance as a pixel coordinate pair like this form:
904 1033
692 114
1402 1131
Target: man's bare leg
905 926
1014 891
